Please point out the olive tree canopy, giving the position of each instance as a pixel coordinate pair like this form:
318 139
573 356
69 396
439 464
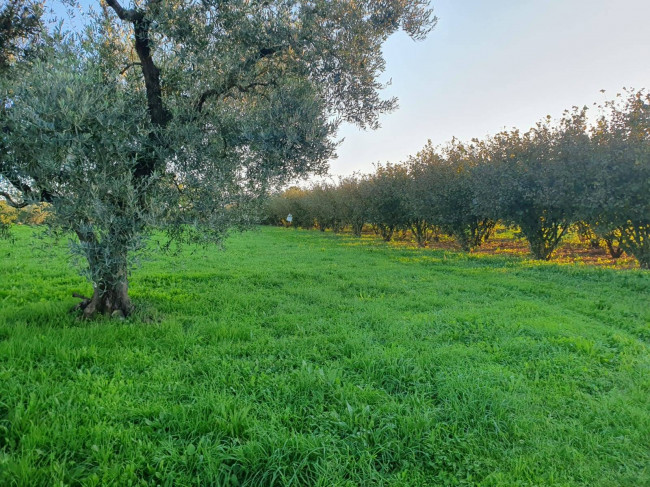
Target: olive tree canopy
180 115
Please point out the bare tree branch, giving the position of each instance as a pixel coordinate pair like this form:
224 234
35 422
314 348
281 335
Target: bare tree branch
130 15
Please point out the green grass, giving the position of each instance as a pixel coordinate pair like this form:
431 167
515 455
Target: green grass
300 358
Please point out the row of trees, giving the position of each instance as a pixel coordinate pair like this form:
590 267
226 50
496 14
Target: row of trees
542 181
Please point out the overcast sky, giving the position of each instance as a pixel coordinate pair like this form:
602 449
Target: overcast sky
490 65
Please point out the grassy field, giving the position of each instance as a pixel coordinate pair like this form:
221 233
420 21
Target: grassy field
300 358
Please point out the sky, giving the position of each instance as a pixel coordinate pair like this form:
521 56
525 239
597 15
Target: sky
490 65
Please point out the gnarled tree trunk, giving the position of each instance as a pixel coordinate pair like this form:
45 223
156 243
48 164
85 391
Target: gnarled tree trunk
110 300
108 266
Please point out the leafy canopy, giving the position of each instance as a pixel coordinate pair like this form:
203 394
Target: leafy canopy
181 115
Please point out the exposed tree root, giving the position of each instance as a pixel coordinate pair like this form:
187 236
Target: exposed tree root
114 303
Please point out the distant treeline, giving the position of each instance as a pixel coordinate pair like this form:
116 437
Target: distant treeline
543 181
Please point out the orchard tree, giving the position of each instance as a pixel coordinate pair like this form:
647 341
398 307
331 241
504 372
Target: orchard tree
292 201
351 195
275 210
417 197
387 199
450 200
470 225
530 181
617 204
181 115
323 205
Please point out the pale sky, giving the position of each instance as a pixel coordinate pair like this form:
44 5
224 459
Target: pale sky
490 65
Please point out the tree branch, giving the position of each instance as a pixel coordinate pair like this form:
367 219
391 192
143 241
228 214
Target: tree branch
43 195
16 183
232 82
224 91
128 66
11 202
130 15
159 114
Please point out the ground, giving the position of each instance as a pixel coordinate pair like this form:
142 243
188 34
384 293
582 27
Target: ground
301 358
507 241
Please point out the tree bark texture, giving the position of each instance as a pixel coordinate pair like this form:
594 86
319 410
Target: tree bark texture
109 300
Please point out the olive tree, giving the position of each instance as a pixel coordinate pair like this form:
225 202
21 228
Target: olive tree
275 210
181 115
292 201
